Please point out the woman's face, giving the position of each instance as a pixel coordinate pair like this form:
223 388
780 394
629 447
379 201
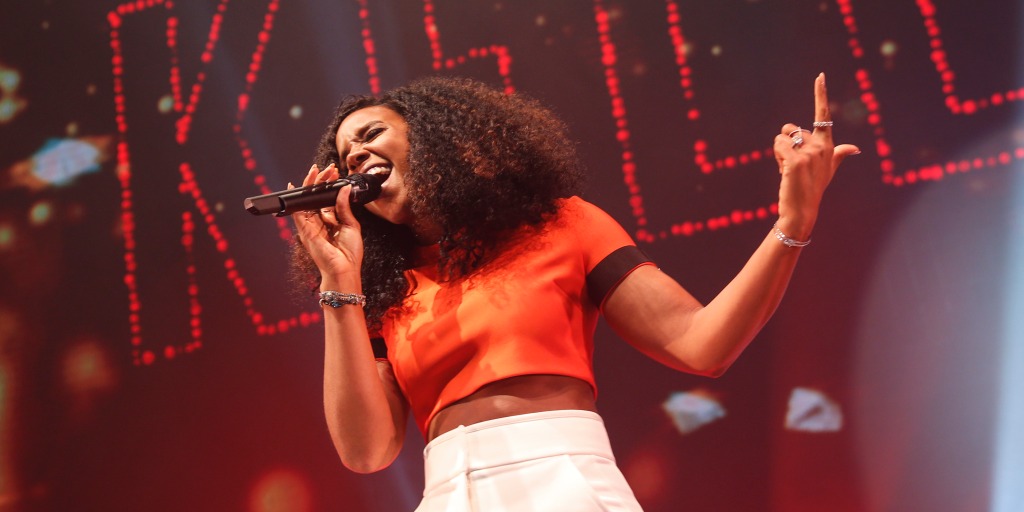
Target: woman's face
374 140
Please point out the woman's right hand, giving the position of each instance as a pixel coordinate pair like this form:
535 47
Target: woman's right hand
332 236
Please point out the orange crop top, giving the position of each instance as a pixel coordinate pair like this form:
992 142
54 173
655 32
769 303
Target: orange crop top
528 311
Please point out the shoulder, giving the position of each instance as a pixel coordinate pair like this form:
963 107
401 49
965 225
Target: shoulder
585 218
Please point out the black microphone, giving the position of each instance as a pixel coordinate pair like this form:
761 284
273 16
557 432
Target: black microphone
365 188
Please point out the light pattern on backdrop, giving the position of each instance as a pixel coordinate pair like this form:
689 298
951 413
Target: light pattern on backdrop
704 163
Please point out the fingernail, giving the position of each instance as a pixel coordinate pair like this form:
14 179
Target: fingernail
856 152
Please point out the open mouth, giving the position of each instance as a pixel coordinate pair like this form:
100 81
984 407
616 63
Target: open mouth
380 170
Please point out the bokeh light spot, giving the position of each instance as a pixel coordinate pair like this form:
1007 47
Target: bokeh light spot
165 104
281 490
40 213
3 395
646 472
87 369
691 410
10 103
888 48
295 112
6 236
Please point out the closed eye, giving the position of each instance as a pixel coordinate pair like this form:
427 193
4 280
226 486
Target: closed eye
372 133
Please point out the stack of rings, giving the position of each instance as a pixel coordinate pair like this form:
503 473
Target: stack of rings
795 134
797 139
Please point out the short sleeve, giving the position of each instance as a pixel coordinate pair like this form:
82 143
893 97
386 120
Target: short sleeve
609 253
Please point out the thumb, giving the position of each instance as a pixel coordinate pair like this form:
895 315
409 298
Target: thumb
841 152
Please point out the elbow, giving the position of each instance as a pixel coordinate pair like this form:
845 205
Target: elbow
713 371
716 371
363 467
711 367
365 463
364 458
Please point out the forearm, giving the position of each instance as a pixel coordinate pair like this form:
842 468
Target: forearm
365 418
720 331
660 318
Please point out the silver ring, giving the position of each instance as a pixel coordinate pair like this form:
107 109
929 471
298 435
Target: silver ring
798 140
798 130
822 124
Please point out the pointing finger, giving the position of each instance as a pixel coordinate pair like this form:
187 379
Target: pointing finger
822 115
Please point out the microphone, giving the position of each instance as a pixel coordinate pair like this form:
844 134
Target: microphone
365 188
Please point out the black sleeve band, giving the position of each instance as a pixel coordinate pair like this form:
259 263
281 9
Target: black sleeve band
607 274
380 349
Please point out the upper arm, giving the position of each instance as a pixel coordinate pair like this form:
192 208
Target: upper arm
646 307
653 312
397 403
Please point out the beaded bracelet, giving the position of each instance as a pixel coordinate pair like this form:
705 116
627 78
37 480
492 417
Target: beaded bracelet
338 299
787 241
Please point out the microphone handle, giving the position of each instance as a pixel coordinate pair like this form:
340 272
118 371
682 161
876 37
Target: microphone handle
365 188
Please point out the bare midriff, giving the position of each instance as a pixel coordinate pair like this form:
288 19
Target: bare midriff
512 396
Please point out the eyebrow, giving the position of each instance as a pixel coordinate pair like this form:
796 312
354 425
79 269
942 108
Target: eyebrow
360 132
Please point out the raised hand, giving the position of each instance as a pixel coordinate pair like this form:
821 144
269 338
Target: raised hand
808 160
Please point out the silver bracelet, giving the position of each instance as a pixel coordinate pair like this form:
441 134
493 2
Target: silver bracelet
787 241
338 299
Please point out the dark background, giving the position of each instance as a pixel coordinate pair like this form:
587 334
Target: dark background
153 356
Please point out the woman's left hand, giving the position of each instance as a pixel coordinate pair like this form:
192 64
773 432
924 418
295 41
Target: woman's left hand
807 161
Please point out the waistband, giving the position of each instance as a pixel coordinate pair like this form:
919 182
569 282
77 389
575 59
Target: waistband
514 439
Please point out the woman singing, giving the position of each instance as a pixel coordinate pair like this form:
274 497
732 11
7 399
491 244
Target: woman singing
469 291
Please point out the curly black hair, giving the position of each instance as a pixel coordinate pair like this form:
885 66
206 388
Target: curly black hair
481 163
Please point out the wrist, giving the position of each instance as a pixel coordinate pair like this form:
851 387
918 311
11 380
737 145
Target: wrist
789 241
345 284
796 228
338 299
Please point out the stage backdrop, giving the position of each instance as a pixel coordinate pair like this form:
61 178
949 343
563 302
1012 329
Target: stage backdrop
154 357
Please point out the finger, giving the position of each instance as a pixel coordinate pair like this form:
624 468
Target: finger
783 149
841 152
332 173
793 131
308 224
343 208
794 135
310 176
821 110
329 173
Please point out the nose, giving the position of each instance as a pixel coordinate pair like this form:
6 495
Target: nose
357 156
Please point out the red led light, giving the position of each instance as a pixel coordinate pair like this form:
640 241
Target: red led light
186 97
953 103
619 115
188 185
501 55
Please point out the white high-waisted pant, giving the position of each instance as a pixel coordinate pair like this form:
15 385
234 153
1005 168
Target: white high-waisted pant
558 461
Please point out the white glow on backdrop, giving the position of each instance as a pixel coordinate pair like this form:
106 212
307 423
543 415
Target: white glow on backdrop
1008 475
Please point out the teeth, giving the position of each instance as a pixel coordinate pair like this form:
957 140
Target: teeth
378 170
